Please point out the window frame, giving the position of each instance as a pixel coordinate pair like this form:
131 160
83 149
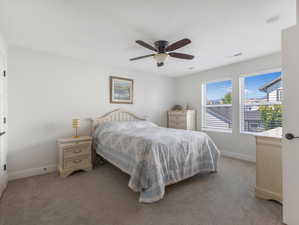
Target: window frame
242 96
204 105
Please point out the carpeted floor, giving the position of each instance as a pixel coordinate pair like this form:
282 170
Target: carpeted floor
102 197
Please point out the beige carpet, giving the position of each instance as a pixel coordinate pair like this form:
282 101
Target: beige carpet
102 197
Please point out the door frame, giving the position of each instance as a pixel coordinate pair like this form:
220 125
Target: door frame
3 141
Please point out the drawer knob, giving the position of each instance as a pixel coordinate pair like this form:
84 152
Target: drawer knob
77 160
77 150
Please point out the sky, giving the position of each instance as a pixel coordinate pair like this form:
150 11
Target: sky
253 83
217 90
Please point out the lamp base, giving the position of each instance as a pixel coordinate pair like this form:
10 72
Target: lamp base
76 133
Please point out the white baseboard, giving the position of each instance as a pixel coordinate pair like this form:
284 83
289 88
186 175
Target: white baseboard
52 168
240 156
31 172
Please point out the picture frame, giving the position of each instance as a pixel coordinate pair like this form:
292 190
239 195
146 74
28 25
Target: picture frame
121 90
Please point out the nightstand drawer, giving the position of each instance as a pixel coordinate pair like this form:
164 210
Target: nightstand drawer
80 161
73 150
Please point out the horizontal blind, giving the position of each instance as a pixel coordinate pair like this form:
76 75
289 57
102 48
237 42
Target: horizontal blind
261 117
218 117
217 105
261 107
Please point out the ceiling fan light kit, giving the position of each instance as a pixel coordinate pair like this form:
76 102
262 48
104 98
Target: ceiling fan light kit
160 58
163 50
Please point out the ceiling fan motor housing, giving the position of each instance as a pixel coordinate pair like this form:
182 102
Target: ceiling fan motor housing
161 45
162 50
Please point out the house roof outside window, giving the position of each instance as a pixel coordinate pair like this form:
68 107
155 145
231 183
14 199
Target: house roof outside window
268 86
224 113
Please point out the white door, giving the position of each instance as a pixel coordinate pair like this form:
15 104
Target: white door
290 49
3 125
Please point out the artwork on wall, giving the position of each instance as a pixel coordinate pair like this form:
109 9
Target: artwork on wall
121 90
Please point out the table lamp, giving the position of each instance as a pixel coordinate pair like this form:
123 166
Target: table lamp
76 125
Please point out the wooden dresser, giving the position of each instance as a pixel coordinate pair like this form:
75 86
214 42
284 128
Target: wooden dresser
181 119
269 165
74 154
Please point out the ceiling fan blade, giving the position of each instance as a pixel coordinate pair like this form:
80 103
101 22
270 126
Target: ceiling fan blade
143 44
180 55
141 57
178 44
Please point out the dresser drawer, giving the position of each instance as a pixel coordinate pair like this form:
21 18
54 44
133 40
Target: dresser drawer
79 161
177 125
177 113
181 124
177 118
73 150
184 119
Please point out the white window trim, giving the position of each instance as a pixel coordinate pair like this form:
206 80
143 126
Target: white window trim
249 133
242 97
203 105
230 131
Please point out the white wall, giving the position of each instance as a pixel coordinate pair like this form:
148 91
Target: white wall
3 45
188 90
46 91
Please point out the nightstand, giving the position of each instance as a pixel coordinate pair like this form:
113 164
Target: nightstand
74 154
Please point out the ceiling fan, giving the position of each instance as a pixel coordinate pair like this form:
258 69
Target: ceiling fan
163 50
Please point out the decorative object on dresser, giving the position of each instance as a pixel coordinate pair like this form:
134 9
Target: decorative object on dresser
121 90
269 165
74 154
181 119
76 125
177 107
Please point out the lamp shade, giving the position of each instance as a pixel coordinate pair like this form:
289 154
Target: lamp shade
160 58
76 123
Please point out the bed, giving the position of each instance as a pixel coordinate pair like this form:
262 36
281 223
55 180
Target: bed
153 156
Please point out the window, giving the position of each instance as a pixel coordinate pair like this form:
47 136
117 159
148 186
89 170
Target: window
217 106
261 97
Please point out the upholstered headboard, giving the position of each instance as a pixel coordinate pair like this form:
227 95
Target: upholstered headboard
115 115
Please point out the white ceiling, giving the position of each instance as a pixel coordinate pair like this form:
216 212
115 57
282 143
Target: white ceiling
104 31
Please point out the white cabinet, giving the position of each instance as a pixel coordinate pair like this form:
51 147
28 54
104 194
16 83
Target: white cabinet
269 165
181 119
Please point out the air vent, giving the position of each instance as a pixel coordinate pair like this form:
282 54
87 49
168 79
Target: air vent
235 55
238 54
273 19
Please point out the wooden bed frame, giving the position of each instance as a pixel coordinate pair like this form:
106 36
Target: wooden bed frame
115 115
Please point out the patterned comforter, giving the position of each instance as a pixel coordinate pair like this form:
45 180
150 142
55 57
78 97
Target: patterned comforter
154 156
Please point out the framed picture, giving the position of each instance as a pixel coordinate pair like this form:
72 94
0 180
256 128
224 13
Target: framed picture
121 90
